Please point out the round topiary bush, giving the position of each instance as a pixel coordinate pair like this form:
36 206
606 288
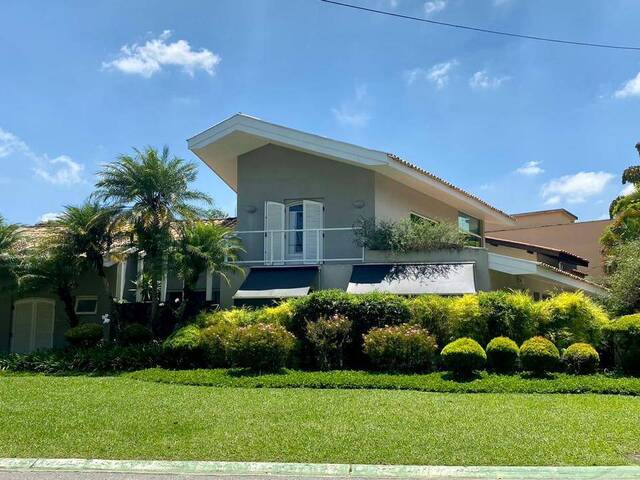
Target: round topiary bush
182 348
261 347
406 347
538 355
135 334
581 358
463 356
502 354
85 335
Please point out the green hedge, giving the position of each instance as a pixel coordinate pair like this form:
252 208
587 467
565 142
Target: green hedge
624 334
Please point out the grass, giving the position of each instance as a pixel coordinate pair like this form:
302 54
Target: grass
118 417
431 382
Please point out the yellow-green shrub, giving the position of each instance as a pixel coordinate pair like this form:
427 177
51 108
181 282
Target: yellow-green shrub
281 314
463 356
233 316
467 319
573 317
502 354
581 358
539 355
508 314
433 312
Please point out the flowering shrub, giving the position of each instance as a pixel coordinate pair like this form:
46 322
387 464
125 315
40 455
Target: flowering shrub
400 348
85 335
581 358
502 354
463 356
261 347
328 336
538 355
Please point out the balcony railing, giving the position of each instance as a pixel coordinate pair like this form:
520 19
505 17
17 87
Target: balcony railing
300 246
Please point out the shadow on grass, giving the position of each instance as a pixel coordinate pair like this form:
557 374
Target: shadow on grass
461 377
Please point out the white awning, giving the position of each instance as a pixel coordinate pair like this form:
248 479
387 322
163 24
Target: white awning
414 279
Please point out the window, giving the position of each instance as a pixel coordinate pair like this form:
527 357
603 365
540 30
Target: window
472 227
295 221
86 305
417 218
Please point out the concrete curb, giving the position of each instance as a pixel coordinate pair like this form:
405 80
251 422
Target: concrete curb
314 469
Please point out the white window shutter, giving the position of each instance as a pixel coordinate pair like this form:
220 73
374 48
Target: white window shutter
43 328
274 233
312 221
22 325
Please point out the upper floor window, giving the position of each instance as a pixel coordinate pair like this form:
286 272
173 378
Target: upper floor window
417 218
295 221
472 227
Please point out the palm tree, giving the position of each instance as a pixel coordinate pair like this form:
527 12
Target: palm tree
205 245
152 191
9 238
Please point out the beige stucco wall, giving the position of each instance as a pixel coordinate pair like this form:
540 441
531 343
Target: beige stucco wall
503 281
512 252
395 201
581 238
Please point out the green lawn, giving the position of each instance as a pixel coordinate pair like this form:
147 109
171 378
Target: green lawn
429 382
117 417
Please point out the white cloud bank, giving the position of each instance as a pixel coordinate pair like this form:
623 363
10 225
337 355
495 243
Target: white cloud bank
628 189
481 80
48 217
354 113
575 188
150 58
438 74
630 89
61 170
530 169
434 6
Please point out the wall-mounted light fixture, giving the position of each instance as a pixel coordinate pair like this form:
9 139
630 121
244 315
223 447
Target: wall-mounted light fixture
358 204
250 209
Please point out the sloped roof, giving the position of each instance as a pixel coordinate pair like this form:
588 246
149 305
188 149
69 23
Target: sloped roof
538 249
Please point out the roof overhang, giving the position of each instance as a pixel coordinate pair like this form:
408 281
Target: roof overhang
220 146
521 267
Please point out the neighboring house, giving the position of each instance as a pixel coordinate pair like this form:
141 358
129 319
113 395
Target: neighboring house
558 229
300 197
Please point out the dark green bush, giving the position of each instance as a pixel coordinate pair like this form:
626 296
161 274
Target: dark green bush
183 347
328 336
135 334
502 355
261 347
581 359
624 333
104 358
467 319
406 348
323 303
538 355
85 335
508 314
463 356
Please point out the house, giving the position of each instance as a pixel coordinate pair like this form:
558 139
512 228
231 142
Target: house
300 197
559 229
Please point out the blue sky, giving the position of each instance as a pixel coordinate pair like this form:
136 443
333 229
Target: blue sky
524 125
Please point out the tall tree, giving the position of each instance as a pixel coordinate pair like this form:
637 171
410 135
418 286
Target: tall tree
205 246
624 212
9 259
152 191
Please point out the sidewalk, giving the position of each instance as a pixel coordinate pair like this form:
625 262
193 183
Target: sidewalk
301 470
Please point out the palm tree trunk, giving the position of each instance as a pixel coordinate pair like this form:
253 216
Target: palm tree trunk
68 301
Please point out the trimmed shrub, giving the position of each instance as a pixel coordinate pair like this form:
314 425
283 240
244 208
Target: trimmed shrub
463 356
183 346
261 347
323 303
406 347
281 314
538 355
508 314
135 334
502 354
328 337
467 319
85 335
234 316
433 312
573 317
214 342
624 334
581 359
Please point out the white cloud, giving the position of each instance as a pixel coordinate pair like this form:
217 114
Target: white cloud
629 89
628 189
393 4
434 6
575 188
438 74
354 113
482 81
61 170
530 168
48 217
148 59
